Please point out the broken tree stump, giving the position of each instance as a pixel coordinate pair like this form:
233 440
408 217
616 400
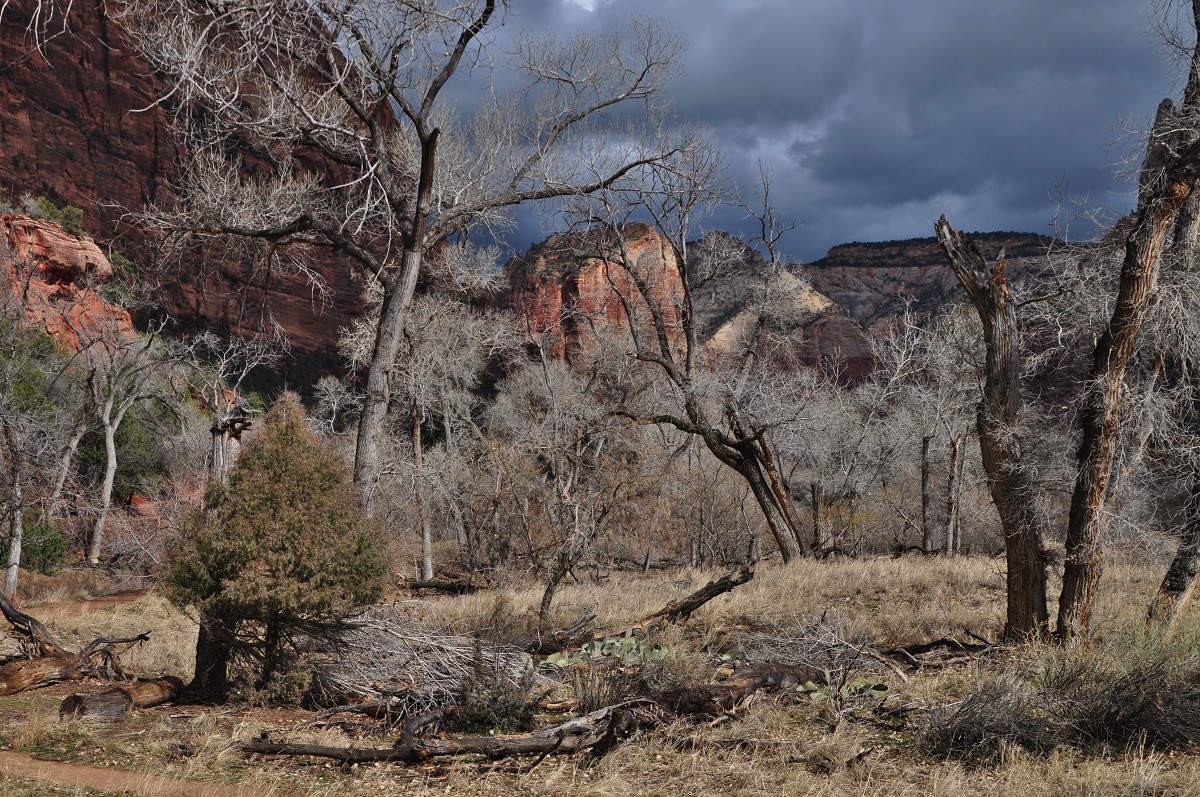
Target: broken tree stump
46 662
114 704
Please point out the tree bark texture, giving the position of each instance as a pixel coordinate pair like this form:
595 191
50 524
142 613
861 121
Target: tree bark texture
953 542
211 678
926 527
1167 182
114 704
1016 496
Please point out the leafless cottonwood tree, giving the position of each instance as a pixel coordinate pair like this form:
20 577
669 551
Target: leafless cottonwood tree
1168 179
715 401
120 369
1015 492
346 102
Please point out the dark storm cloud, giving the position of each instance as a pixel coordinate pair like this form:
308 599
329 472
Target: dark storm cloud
876 116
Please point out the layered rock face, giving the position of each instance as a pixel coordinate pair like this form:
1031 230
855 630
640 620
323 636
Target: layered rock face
570 298
873 281
55 278
79 126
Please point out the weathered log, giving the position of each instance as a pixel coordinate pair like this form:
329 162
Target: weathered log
21 674
442 585
114 704
683 608
48 662
597 733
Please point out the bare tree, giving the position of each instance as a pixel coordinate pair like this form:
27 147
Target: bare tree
1169 177
30 426
346 101
448 347
1015 492
218 369
715 398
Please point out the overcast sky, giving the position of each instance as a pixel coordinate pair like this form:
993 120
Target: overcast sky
876 116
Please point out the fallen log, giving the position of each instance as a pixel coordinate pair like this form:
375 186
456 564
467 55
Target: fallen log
683 608
596 733
441 585
724 696
114 704
675 611
21 674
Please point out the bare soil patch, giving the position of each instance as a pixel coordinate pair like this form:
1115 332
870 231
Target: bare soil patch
21 765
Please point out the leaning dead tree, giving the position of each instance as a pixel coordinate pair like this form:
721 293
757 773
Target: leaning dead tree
1010 482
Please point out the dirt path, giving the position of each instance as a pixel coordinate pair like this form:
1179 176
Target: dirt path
118 781
90 605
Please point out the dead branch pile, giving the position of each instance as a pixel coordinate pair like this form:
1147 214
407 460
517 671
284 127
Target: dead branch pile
385 667
822 643
596 734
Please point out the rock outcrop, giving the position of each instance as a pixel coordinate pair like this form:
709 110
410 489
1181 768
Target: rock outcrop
874 281
569 298
55 279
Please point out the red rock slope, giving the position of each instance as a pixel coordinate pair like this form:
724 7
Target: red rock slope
55 278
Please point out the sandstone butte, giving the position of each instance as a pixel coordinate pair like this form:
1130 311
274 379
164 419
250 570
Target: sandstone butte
570 299
56 276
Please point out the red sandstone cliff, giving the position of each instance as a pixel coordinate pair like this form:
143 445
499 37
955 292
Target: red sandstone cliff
77 126
566 298
55 279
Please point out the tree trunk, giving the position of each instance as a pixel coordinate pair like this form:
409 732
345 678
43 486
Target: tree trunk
953 494
926 527
1166 183
1013 490
1179 584
106 490
397 298
211 679
114 704
820 534
16 531
418 459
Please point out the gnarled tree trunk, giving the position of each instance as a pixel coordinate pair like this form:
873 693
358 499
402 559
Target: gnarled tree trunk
1013 490
1168 178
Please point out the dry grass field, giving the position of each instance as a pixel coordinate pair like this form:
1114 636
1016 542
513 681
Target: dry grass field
1023 716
